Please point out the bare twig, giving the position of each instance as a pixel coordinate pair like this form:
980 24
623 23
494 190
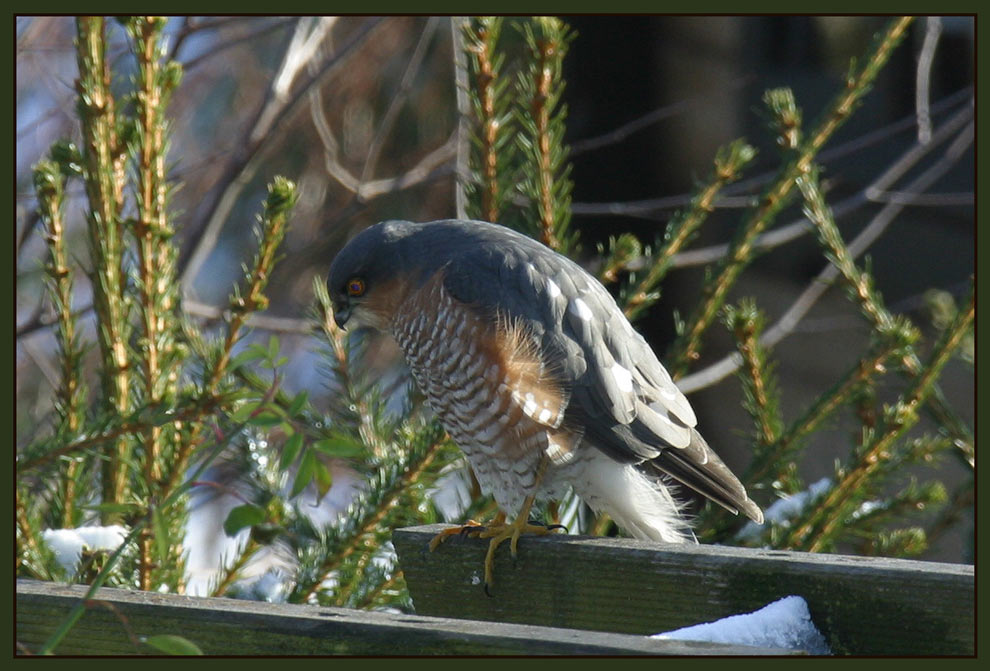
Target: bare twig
923 77
875 192
463 109
239 170
820 284
255 320
365 191
645 121
398 98
233 42
648 207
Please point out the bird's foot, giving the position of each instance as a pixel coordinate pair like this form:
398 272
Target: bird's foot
499 533
471 529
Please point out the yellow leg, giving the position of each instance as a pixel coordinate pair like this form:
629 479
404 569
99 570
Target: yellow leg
472 530
498 531
510 532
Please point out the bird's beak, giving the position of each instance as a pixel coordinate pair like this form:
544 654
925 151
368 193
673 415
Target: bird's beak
341 313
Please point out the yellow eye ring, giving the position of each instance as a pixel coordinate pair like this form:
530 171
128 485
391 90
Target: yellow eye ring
355 287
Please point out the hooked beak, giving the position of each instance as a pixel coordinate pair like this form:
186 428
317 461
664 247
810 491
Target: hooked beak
341 313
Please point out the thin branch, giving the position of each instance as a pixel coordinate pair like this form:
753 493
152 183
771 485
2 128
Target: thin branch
875 192
245 162
398 98
463 110
233 42
923 77
958 199
191 410
619 134
427 167
255 320
820 284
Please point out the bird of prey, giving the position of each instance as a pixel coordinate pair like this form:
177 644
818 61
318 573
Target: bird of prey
536 374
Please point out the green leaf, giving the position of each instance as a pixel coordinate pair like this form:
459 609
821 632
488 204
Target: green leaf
265 418
272 348
323 479
243 413
252 353
246 515
290 450
304 474
298 402
342 447
173 645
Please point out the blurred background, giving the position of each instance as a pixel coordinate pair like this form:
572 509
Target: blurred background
361 112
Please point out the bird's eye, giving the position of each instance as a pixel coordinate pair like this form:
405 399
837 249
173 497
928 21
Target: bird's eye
355 287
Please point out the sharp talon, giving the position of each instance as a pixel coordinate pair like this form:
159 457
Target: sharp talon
488 593
554 527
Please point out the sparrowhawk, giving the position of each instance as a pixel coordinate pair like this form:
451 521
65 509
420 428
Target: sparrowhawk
535 373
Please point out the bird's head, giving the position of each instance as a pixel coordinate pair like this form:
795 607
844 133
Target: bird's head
373 273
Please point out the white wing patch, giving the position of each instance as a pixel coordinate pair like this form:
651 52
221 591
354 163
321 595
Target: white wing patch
622 377
581 309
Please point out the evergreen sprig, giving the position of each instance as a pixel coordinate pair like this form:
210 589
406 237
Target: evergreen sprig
104 158
545 180
71 395
729 163
491 158
860 286
876 454
741 251
760 397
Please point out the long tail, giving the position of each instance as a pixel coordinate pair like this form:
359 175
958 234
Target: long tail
698 467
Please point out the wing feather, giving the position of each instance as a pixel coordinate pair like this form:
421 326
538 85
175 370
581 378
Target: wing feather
619 396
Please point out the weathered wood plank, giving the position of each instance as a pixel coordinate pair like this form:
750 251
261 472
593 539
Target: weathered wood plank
234 627
862 605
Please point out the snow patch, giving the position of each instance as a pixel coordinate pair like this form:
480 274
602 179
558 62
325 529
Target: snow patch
68 544
782 624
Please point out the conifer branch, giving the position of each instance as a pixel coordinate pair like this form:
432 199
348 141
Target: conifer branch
546 181
273 222
880 445
761 398
825 405
230 572
157 293
687 347
103 169
27 542
491 151
372 515
729 162
70 401
186 410
871 304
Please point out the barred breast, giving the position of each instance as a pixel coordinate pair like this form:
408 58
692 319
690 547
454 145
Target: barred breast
494 398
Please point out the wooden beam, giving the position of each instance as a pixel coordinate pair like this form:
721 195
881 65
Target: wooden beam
862 605
235 627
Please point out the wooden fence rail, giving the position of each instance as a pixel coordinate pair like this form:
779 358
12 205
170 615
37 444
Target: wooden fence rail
567 595
117 619
862 605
